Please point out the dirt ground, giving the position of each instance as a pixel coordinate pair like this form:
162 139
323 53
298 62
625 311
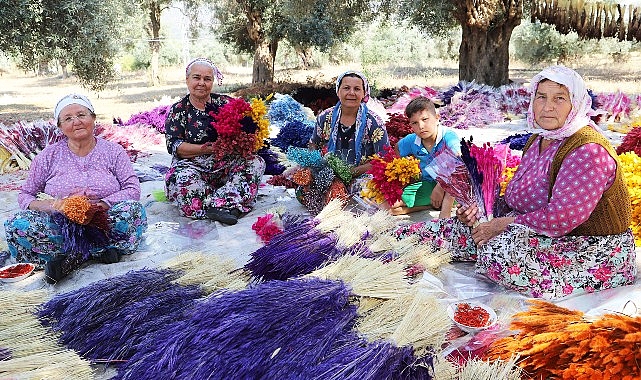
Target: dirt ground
24 96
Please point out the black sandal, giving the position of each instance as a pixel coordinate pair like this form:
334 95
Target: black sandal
53 269
222 216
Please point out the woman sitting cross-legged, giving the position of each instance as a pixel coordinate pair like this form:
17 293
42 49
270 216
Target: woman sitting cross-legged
203 186
568 228
98 176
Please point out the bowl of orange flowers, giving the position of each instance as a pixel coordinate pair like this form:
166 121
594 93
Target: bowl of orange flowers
472 317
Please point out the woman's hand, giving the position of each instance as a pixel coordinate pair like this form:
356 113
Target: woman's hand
467 215
360 169
488 230
189 150
46 205
102 204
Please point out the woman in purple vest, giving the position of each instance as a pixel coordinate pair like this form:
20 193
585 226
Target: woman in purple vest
567 228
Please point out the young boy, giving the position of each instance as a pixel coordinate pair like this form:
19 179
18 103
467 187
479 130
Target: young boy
429 138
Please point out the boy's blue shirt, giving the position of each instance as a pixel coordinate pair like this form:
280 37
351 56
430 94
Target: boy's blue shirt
412 145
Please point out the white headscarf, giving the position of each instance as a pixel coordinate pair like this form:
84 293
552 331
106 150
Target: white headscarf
71 99
581 111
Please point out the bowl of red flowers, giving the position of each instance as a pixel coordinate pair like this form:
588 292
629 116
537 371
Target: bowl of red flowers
16 272
471 317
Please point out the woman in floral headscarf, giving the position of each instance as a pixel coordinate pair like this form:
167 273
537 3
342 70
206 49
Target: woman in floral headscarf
349 129
567 230
202 186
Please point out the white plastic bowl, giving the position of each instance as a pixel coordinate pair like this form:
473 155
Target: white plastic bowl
19 277
451 310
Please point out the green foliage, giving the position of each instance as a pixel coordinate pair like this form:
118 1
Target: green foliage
305 25
82 34
385 43
230 23
17 18
536 43
433 17
541 44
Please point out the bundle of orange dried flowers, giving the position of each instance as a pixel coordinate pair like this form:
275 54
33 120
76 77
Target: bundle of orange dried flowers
558 343
336 190
302 177
77 208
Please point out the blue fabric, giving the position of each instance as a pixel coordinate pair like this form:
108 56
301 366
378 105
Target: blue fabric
411 145
372 140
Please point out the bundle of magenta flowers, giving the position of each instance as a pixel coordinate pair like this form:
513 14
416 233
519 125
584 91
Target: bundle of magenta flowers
470 105
514 100
241 127
23 141
154 118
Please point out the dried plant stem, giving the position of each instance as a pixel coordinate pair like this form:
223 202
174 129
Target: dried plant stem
367 277
35 353
210 271
367 304
351 232
62 364
382 243
424 324
486 370
330 215
382 222
19 302
415 319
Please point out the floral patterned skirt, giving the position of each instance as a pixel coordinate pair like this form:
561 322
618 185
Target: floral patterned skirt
202 182
33 237
536 265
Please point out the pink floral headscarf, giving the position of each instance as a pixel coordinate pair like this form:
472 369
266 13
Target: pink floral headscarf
206 62
581 111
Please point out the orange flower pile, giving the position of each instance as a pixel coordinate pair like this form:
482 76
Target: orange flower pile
336 190
302 177
559 343
77 208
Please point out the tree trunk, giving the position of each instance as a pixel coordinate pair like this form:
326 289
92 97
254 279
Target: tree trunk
263 64
154 42
63 67
487 27
264 49
43 67
305 56
484 55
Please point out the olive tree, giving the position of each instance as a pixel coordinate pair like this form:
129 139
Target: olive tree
487 26
82 34
258 26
